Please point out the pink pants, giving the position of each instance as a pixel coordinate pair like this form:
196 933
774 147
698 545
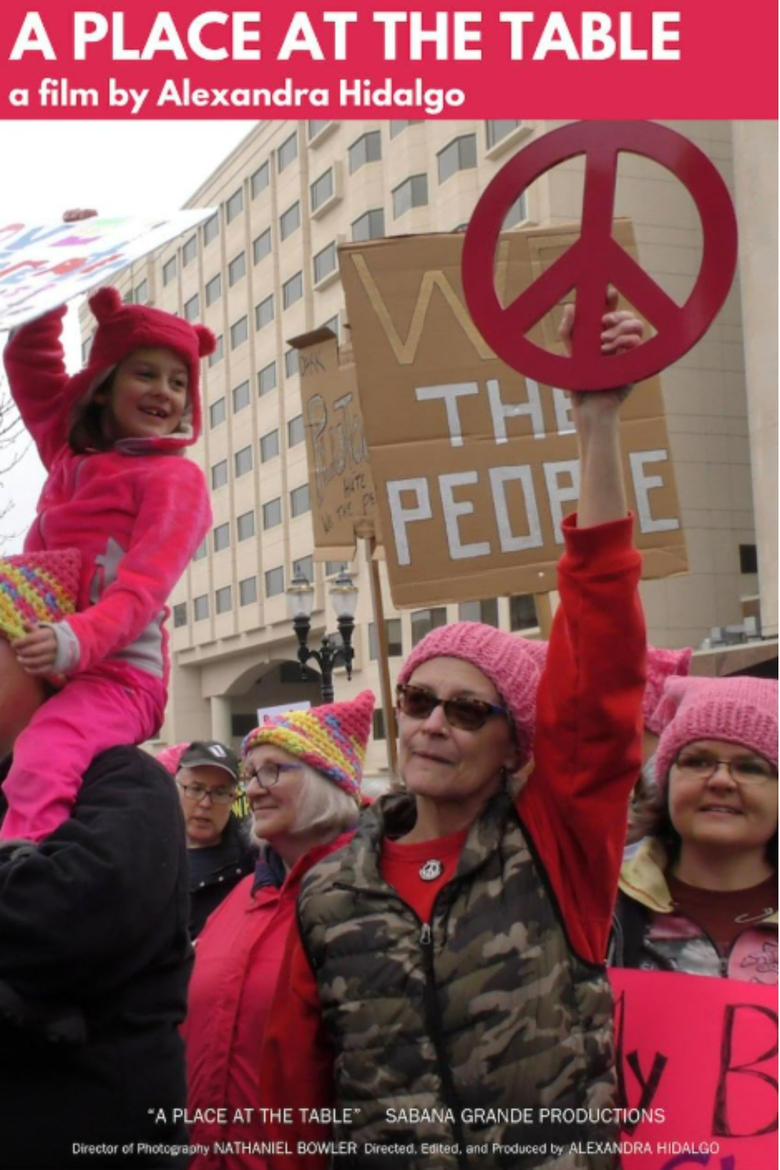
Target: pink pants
92 712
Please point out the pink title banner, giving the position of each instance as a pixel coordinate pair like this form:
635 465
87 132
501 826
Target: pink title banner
697 1071
635 59
45 265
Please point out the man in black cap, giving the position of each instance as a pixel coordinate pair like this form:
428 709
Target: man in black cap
218 848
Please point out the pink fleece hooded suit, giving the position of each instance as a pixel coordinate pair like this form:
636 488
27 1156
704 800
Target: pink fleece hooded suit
136 512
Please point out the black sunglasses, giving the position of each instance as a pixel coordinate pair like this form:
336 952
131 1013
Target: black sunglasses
465 714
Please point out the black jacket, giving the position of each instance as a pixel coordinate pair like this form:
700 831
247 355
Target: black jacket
94 964
225 866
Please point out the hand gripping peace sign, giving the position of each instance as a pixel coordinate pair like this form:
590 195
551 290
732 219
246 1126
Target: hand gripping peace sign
596 260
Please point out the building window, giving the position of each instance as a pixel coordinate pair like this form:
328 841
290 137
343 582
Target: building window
290 220
218 353
295 431
292 290
370 226
213 289
201 550
224 599
234 205
413 192
189 251
192 308
272 513
397 127
261 245
247 592
479 611
236 268
141 294
322 189
243 460
240 397
260 179
200 607
366 149
459 155
313 127
180 615
522 612
169 271
748 558
264 312
269 446
291 362
245 525
324 262
266 379
217 412
287 152
219 474
332 568
393 635
496 130
238 333
274 582
516 214
332 323
377 724
300 500
221 537
305 567
210 228
425 620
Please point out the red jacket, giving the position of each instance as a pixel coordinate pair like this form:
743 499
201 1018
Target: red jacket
237 959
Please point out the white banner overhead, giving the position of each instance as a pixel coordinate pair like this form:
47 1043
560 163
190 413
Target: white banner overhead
43 265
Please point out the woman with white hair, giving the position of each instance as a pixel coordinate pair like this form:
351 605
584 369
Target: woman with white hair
303 771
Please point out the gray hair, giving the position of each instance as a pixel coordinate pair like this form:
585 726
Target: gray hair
323 809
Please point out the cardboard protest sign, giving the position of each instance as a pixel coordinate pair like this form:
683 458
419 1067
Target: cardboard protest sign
343 496
44 265
475 466
697 1058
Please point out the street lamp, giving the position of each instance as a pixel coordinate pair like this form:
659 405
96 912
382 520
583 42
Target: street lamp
333 651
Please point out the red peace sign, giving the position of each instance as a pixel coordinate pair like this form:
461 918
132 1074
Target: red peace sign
596 260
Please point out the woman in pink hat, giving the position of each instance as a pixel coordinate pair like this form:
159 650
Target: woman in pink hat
119 492
444 1003
303 771
699 894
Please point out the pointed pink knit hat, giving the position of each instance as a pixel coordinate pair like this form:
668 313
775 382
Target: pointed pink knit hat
740 710
331 738
503 658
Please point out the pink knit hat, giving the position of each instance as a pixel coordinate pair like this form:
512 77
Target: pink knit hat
124 328
169 757
332 738
740 710
503 658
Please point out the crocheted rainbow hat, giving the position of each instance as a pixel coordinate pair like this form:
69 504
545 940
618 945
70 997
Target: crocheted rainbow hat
123 328
332 738
37 587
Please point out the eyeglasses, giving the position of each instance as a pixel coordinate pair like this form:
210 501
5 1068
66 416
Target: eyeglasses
197 792
742 769
268 774
465 714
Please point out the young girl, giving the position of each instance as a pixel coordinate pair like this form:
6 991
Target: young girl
120 490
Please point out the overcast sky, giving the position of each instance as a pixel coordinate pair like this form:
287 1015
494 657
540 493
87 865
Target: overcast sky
119 167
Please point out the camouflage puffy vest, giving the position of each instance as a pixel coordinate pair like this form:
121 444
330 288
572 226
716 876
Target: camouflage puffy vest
469 1043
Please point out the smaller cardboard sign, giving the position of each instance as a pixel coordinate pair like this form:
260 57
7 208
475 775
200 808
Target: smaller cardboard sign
342 486
697 1071
45 265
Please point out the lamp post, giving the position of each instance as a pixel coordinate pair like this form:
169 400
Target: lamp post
332 652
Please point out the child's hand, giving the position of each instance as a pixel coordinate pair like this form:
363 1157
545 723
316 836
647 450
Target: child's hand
36 651
76 213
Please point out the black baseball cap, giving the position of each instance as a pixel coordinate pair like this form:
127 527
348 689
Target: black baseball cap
210 753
